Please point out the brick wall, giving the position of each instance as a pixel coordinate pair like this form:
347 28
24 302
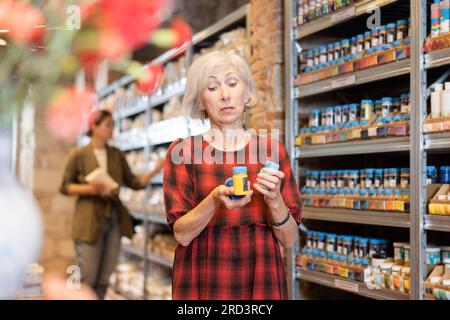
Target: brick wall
267 64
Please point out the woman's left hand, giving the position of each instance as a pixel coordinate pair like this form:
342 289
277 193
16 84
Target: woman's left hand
268 183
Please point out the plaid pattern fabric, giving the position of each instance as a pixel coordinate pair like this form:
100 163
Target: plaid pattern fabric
236 256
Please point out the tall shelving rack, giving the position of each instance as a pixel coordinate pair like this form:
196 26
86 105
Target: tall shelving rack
418 145
241 18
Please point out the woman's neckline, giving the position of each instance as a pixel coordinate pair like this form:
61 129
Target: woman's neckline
229 151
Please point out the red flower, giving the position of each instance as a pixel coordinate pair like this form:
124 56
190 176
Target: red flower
182 30
25 23
133 20
67 113
151 78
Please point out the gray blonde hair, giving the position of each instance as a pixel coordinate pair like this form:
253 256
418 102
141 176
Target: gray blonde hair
201 69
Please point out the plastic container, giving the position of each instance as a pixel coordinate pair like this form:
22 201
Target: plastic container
378 107
374 246
314 179
445 253
321 241
345 47
309 239
363 193
375 35
323 54
370 178
322 179
340 179
353 112
404 178
353 46
314 118
391 32
337 115
340 244
316 56
386 107
332 177
367 109
331 243
337 51
378 178
329 116
431 175
347 248
345 114
407 250
330 52
393 178
367 40
382 35
359 43
402 29
444 174
404 105
433 256
396 104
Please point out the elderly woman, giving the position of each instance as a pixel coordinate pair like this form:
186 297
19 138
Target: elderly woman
228 248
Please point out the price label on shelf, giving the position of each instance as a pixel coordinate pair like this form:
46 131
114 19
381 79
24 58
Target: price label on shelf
343 82
343 14
345 285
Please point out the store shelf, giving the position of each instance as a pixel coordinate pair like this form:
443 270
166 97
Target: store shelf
355 147
353 79
390 219
220 25
437 222
155 218
437 58
130 111
355 287
437 141
130 249
344 14
166 131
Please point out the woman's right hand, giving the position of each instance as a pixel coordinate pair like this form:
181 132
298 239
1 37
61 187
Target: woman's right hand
221 196
97 189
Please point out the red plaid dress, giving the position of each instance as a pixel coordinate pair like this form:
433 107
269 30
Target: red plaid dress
237 255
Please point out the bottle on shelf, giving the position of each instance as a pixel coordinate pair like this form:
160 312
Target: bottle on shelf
436 100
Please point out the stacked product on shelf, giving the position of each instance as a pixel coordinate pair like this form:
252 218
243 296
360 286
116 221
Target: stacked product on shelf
309 10
438 190
356 258
437 285
379 46
155 202
370 119
439 37
439 118
366 189
235 41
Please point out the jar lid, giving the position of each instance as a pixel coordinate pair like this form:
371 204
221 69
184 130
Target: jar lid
391 25
351 259
345 41
372 192
431 168
370 50
382 27
378 48
354 56
367 101
364 122
363 192
397 118
337 44
397 43
387 46
353 106
363 240
387 192
366 262
406 117
405 95
397 192
374 30
330 46
404 170
433 249
408 41
316 50
387 119
331 235
401 22
272 165
337 108
367 33
386 99
322 48
238 170
360 36
375 241
378 171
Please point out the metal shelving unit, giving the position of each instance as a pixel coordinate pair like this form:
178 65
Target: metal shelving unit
354 79
338 17
356 147
391 219
417 222
171 127
355 287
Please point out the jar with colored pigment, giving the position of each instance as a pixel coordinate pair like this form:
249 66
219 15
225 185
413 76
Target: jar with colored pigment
386 178
314 118
404 107
356 199
375 35
353 46
370 178
378 108
310 239
345 114
323 54
345 47
386 107
396 105
340 244
337 115
359 43
330 52
321 241
314 179
382 36
332 178
404 178
444 174
363 193
316 52
399 252
378 178
331 243
363 248
322 179
367 40
374 247
402 29
341 179
337 50
347 249
353 178
433 256
393 178
391 32
353 112
431 174
366 109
